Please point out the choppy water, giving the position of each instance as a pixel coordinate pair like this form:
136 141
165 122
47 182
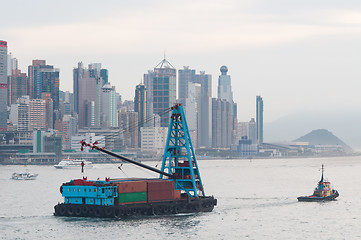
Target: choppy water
256 200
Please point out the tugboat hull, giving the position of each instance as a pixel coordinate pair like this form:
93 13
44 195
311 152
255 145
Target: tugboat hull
319 199
203 204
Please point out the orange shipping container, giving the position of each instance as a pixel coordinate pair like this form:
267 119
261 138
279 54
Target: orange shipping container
155 196
160 185
131 186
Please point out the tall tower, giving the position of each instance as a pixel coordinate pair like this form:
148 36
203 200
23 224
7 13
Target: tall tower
164 90
259 119
48 77
86 98
185 77
78 73
34 80
224 112
148 83
104 75
18 83
88 85
3 85
140 104
224 85
49 110
109 106
205 115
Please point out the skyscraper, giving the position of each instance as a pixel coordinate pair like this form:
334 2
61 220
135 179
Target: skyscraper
49 115
205 115
224 85
34 80
87 88
78 73
164 90
37 114
227 109
3 85
86 98
252 131
109 106
17 85
140 104
259 119
221 123
12 64
44 78
192 110
148 83
185 77
104 75
49 78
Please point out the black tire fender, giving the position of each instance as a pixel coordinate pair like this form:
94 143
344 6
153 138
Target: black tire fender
77 210
84 209
70 210
99 212
109 211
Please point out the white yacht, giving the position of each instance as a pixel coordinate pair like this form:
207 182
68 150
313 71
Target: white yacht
73 163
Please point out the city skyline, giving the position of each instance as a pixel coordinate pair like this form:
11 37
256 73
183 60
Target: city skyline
294 54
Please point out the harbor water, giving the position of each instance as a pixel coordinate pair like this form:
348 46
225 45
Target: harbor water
257 199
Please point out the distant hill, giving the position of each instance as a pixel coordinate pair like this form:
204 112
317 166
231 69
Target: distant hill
323 137
344 124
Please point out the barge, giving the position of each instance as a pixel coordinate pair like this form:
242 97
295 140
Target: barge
178 189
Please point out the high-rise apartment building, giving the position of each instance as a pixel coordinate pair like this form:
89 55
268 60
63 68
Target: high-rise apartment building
17 85
86 98
44 78
109 106
164 90
227 109
87 86
128 125
19 113
104 75
49 116
259 119
78 74
185 77
205 114
34 80
12 64
3 85
221 123
252 131
148 83
37 114
140 104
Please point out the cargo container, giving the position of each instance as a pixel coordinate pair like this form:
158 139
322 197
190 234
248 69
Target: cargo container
132 197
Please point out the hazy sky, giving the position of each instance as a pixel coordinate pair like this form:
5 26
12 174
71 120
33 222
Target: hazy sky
299 55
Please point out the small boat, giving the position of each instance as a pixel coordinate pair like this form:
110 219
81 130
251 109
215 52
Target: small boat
323 192
23 176
73 163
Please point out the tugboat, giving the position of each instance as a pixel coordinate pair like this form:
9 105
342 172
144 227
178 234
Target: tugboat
178 189
323 192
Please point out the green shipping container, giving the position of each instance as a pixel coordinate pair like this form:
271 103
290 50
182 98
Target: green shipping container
132 197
